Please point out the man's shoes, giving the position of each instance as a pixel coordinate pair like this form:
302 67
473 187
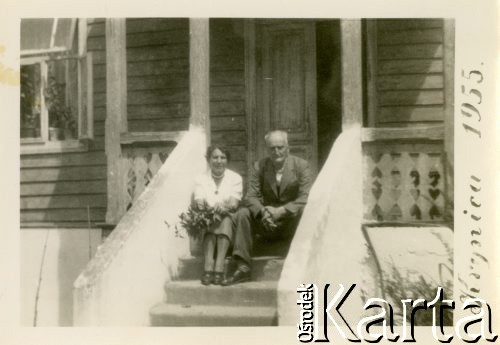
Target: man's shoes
208 278
239 276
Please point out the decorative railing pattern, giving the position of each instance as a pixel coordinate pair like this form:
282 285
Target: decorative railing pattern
142 155
141 164
403 182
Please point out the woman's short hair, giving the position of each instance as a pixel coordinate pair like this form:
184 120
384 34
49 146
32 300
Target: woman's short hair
221 148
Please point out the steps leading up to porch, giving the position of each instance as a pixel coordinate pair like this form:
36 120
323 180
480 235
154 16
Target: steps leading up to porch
189 303
209 315
191 292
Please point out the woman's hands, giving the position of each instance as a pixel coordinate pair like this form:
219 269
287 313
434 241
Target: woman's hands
223 208
227 206
220 208
231 203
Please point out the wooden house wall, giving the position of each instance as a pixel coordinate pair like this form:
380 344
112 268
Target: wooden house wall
68 189
407 65
157 74
158 80
227 89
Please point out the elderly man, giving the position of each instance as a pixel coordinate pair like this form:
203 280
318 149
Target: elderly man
278 187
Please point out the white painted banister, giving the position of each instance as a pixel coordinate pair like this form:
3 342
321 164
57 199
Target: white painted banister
127 274
329 246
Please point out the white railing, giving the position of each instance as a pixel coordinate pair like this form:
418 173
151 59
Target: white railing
329 246
127 275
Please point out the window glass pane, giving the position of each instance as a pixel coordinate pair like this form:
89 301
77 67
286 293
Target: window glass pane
61 99
63 33
35 33
30 101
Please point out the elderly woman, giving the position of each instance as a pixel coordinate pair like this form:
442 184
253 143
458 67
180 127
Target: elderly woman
222 189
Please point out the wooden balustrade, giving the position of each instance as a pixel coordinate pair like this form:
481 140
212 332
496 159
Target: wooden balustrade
404 182
404 175
142 156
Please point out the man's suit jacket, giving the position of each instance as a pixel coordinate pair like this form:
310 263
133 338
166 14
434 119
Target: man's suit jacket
263 189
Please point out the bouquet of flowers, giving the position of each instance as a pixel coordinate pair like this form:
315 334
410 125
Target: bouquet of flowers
199 218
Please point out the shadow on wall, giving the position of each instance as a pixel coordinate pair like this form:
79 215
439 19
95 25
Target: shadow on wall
51 259
75 251
329 86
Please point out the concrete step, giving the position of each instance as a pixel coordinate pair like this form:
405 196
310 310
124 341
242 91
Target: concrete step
192 292
263 268
209 315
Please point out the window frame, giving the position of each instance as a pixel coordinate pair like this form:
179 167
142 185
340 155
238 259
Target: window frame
84 72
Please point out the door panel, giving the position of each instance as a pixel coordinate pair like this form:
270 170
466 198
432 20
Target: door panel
286 85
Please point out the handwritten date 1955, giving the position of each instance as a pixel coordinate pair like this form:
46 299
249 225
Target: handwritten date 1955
471 108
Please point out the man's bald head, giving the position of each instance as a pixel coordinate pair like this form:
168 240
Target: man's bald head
277 146
276 134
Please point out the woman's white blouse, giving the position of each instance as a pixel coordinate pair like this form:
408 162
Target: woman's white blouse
206 189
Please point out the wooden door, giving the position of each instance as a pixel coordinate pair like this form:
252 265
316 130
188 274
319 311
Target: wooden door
285 54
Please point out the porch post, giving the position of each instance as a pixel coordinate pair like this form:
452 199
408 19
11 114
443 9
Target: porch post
116 114
352 76
199 75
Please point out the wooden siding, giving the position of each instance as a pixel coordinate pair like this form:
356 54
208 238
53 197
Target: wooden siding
158 80
157 74
68 189
409 69
227 89
406 72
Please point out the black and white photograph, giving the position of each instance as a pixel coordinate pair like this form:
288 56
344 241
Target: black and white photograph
331 175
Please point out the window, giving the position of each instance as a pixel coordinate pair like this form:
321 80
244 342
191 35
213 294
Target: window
56 84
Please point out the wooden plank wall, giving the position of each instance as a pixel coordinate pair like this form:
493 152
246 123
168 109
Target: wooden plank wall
408 66
227 89
56 189
158 74
158 80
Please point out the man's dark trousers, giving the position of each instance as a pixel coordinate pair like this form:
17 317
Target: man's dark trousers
263 190
244 237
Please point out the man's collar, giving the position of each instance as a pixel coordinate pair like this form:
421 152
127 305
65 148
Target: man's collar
283 167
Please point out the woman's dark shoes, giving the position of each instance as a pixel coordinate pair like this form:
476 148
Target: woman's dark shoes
218 278
239 276
208 278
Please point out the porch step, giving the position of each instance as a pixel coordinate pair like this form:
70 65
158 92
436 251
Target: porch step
192 292
189 303
264 268
212 315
